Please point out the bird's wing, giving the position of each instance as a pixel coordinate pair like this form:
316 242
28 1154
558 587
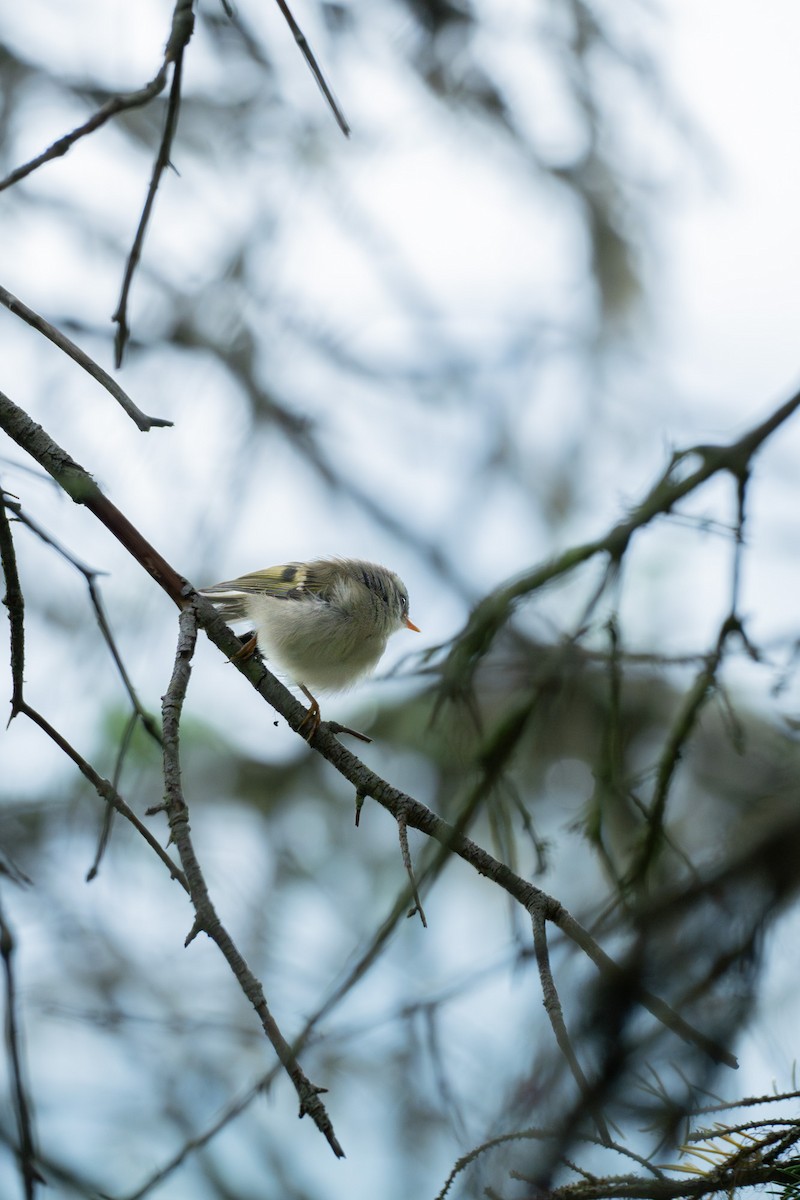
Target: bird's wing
272 581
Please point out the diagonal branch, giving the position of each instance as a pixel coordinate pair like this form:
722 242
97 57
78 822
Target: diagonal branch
104 790
16 306
22 1105
492 613
555 1014
180 33
206 919
117 104
314 67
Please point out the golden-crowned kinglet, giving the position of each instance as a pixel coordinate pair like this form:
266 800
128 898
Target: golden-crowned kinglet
326 623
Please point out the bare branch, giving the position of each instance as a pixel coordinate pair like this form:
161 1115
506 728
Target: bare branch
492 613
314 67
22 1105
206 919
15 603
111 108
700 691
90 575
120 317
552 1006
180 32
16 306
104 790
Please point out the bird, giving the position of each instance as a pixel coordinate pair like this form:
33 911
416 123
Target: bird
325 622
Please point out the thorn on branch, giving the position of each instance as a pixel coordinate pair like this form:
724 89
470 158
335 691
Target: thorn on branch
196 929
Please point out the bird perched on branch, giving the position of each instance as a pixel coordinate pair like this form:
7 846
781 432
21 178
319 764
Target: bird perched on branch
325 623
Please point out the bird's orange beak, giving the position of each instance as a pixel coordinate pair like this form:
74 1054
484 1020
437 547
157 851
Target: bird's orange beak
411 625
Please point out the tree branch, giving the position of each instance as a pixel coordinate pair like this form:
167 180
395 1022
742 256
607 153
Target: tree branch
494 611
120 317
22 1105
180 32
16 306
206 919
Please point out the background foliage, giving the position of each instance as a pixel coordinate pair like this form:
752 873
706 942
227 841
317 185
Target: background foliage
439 344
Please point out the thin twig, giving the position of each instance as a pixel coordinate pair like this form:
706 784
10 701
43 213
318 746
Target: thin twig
206 918
695 699
492 613
104 790
117 104
90 574
15 603
37 322
314 67
552 1006
108 813
120 317
234 1109
180 32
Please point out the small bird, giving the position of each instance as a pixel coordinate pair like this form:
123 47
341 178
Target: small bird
326 623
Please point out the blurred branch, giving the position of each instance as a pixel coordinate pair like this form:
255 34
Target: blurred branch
701 690
492 613
234 1110
21 1101
58 1171
64 343
104 789
206 919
